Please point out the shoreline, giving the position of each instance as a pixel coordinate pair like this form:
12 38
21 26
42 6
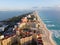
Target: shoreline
48 32
51 38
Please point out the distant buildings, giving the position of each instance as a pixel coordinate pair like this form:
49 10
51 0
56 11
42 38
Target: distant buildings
2 36
3 27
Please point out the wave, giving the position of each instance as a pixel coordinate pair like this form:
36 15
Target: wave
50 25
48 21
56 33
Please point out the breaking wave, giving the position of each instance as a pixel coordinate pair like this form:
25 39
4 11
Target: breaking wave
56 33
50 25
48 21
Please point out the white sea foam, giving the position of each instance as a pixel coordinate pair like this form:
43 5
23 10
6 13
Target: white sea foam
56 33
48 21
50 25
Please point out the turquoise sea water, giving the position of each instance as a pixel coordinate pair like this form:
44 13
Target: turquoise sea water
52 20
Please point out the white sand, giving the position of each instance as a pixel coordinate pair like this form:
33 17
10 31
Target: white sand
50 38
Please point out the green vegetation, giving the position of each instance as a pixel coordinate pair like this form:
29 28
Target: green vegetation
15 19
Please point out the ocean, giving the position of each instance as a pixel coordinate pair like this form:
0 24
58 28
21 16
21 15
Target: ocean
52 20
50 17
9 14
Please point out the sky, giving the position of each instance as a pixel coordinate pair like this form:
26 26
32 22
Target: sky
27 4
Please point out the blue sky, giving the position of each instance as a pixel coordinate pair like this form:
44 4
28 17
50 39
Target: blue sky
27 4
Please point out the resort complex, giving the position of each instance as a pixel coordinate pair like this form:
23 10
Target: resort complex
26 29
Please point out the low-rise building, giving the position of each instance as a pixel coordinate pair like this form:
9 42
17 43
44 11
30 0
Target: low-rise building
3 27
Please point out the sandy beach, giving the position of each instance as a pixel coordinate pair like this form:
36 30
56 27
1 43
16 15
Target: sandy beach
51 38
48 34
